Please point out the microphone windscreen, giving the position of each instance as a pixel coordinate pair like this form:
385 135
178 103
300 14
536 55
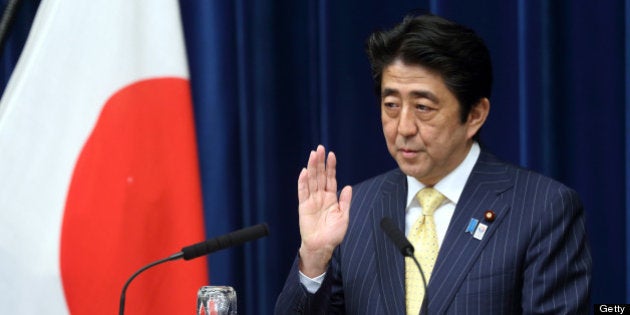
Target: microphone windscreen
397 236
228 240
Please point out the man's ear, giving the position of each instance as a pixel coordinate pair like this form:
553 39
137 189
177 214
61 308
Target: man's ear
477 116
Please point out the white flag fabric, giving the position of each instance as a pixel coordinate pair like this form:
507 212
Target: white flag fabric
98 164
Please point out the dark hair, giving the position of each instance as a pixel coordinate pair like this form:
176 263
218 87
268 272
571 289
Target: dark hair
453 50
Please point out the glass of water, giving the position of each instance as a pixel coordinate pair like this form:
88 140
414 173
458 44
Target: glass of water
216 300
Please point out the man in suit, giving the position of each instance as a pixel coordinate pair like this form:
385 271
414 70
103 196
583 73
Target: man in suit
493 239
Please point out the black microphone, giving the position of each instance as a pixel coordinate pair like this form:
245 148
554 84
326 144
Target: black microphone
405 248
228 240
397 236
235 238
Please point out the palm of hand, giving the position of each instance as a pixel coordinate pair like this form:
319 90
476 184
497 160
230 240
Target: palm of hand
322 223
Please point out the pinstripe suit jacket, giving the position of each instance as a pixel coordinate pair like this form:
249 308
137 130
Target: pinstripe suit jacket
533 259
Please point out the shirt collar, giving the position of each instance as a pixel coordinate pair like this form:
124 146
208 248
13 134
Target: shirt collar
452 185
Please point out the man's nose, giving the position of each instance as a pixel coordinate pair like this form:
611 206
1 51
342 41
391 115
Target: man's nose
407 124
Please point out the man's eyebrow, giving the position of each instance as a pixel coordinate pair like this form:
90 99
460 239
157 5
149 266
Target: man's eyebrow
416 94
425 94
388 92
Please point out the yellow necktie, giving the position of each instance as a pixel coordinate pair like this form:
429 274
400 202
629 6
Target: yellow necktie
423 237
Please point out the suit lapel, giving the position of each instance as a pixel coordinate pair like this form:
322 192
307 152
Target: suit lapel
459 249
390 262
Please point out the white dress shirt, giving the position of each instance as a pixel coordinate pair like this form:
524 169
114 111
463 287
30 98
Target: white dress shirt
450 186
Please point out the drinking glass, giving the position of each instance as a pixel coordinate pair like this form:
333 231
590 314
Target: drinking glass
216 300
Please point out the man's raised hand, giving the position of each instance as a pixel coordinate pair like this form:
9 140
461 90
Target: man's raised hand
323 216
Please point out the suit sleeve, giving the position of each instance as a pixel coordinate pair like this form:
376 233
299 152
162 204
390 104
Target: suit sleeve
295 299
557 277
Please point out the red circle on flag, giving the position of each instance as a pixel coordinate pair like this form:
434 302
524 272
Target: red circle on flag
135 198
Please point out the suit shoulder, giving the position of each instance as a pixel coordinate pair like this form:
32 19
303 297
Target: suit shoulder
524 177
391 177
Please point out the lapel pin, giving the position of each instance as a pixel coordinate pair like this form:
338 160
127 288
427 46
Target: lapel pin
472 225
489 216
480 231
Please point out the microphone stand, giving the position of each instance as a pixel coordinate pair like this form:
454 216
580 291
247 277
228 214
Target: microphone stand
406 249
201 249
425 301
121 309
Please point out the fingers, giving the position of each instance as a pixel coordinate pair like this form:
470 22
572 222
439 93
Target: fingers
320 174
344 200
311 169
331 172
321 167
317 170
303 191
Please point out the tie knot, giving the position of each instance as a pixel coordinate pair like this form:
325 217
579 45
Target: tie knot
429 199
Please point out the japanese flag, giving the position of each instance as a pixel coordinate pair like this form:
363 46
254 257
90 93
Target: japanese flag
98 163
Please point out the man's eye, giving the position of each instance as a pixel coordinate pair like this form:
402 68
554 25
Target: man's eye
389 104
423 108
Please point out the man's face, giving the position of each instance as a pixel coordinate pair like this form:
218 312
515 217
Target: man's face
422 123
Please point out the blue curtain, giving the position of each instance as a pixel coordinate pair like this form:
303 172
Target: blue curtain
15 37
272 79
